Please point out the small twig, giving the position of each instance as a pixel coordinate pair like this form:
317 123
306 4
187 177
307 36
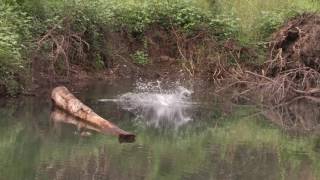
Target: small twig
261 76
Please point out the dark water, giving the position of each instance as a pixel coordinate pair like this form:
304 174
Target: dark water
218 143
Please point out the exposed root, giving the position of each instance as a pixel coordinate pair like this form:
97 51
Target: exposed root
173 53
288 88
202 55
63 44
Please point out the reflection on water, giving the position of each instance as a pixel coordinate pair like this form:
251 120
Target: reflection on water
301 114
212 146
60 117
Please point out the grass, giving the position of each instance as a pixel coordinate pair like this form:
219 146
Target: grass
258 18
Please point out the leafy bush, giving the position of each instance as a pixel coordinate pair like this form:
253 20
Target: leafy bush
256 19
14 33
137 16
269 21
72 32
140 57
73 26
225 26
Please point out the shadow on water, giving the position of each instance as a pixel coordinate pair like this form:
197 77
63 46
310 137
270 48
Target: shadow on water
215 144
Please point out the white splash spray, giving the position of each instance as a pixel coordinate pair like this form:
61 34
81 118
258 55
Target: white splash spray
157 106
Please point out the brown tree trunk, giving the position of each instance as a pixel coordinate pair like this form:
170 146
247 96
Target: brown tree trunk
65 100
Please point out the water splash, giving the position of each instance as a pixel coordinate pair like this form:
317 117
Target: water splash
156 106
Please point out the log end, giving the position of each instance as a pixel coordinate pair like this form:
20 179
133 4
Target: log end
127 138
65 100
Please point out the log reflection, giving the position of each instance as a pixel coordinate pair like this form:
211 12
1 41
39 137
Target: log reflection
59 116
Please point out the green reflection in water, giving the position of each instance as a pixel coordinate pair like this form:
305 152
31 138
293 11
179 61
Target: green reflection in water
236 146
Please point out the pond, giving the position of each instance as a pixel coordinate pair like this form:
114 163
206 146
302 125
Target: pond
205 139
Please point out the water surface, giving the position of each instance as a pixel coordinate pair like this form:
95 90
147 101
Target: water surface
214 141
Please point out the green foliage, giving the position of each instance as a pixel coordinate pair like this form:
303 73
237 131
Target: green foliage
137 16
77 22
25 20
140 57
256 19
14 35
225 26
186 16
21 21
268 22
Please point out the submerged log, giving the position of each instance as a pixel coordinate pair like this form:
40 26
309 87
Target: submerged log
65 100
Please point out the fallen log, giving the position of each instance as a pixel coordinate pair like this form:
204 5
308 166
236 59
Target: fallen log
65 100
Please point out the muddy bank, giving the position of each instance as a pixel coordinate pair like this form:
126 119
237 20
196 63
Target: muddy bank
167 54
296 45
